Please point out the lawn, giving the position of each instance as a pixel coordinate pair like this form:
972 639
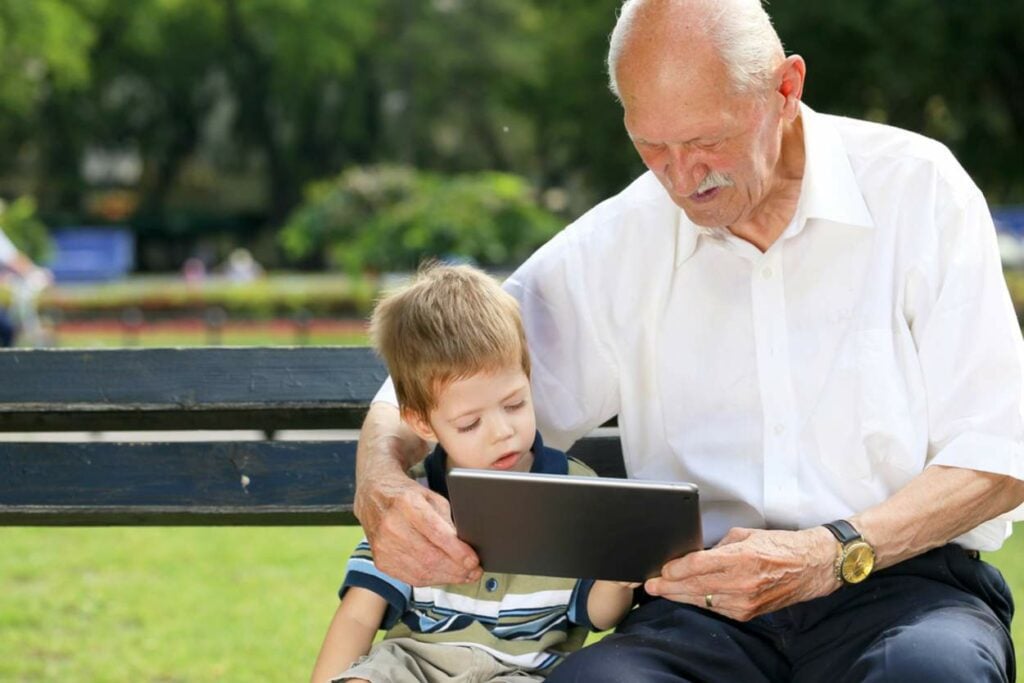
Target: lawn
188 604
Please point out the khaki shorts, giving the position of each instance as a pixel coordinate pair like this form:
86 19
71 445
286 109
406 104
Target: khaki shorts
404 660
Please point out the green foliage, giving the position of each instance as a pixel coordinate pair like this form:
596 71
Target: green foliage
19 222
43 44
235 105
949 70
158 297
392 218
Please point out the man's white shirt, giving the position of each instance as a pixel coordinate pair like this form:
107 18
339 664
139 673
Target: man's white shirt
876 337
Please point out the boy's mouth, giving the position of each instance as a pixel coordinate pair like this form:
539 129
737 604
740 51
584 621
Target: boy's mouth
507 461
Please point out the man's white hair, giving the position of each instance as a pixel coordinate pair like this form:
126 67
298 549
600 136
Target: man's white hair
740 30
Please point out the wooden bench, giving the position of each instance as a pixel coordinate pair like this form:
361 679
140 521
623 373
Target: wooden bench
162 482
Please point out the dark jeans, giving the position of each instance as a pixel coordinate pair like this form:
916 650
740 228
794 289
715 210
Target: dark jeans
6 331
942 616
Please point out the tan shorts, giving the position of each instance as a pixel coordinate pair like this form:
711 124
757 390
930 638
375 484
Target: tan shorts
404 660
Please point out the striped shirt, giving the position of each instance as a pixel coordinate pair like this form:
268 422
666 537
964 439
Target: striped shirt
531 622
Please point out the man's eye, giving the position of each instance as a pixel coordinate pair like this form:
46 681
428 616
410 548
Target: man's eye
470 427
516 406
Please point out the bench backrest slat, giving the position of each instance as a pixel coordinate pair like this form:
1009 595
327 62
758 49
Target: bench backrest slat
239 482
194 388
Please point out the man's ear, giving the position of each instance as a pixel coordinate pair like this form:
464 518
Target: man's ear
418 424
792 74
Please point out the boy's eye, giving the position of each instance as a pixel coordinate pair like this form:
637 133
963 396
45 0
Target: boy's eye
470 427
516 406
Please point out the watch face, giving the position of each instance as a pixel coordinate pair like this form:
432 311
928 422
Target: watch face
858 562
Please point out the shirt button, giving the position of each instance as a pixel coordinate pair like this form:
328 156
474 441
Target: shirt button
767 272
780 429
491 585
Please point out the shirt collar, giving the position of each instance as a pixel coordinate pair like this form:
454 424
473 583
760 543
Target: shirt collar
545 461
829 189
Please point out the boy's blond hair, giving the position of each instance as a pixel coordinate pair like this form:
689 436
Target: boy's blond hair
450 323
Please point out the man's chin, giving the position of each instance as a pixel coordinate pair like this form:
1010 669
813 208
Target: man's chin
703 218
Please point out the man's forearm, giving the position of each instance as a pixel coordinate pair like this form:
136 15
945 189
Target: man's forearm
939 505
387 447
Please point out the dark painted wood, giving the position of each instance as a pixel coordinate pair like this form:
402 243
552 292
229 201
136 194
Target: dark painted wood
249 483
256 483
218 483
194 388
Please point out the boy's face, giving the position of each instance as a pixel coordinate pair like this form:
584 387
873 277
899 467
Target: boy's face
484 421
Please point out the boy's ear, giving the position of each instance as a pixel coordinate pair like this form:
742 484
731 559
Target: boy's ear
418 424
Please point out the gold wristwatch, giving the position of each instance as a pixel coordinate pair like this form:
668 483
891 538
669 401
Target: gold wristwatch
856 557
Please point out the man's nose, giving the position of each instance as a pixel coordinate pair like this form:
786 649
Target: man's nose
684 170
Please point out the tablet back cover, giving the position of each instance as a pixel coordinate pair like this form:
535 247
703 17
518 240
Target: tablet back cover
584 527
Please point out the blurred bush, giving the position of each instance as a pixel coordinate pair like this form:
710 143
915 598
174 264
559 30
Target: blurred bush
158 297
391 218
19 222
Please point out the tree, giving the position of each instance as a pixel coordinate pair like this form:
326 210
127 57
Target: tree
394 217
44 56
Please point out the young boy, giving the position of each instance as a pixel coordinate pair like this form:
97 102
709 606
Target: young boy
454 345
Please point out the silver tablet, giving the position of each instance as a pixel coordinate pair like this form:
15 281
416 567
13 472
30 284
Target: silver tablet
564 525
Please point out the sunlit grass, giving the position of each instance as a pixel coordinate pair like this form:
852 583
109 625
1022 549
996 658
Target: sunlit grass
155 604
189 604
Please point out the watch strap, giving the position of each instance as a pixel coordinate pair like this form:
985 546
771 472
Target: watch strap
843 531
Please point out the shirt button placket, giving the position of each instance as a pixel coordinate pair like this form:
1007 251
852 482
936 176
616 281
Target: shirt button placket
777 404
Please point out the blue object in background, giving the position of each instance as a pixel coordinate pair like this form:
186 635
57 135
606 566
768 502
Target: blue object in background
92 254
1009 222
1009 219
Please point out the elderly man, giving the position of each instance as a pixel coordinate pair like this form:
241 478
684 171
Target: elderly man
821 339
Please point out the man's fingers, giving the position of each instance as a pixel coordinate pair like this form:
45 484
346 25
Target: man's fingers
440 530
413 542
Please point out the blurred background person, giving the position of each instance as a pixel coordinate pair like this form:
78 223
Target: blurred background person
18 268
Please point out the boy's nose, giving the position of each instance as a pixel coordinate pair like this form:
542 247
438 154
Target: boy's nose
503 429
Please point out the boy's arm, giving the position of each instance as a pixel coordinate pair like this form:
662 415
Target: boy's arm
350 634
608 603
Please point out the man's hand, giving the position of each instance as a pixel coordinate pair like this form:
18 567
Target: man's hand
752 572
410 531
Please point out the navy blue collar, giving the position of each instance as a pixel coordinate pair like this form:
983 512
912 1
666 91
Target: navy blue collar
545 461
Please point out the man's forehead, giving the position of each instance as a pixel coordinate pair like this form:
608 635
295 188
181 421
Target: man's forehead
671 120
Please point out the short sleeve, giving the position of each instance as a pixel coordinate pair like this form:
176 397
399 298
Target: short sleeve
970 347
386 393
578 613
362 573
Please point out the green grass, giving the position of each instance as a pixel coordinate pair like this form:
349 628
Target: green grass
167 605
190 604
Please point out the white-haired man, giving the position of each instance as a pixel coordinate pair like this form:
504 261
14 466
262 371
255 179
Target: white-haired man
821 339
